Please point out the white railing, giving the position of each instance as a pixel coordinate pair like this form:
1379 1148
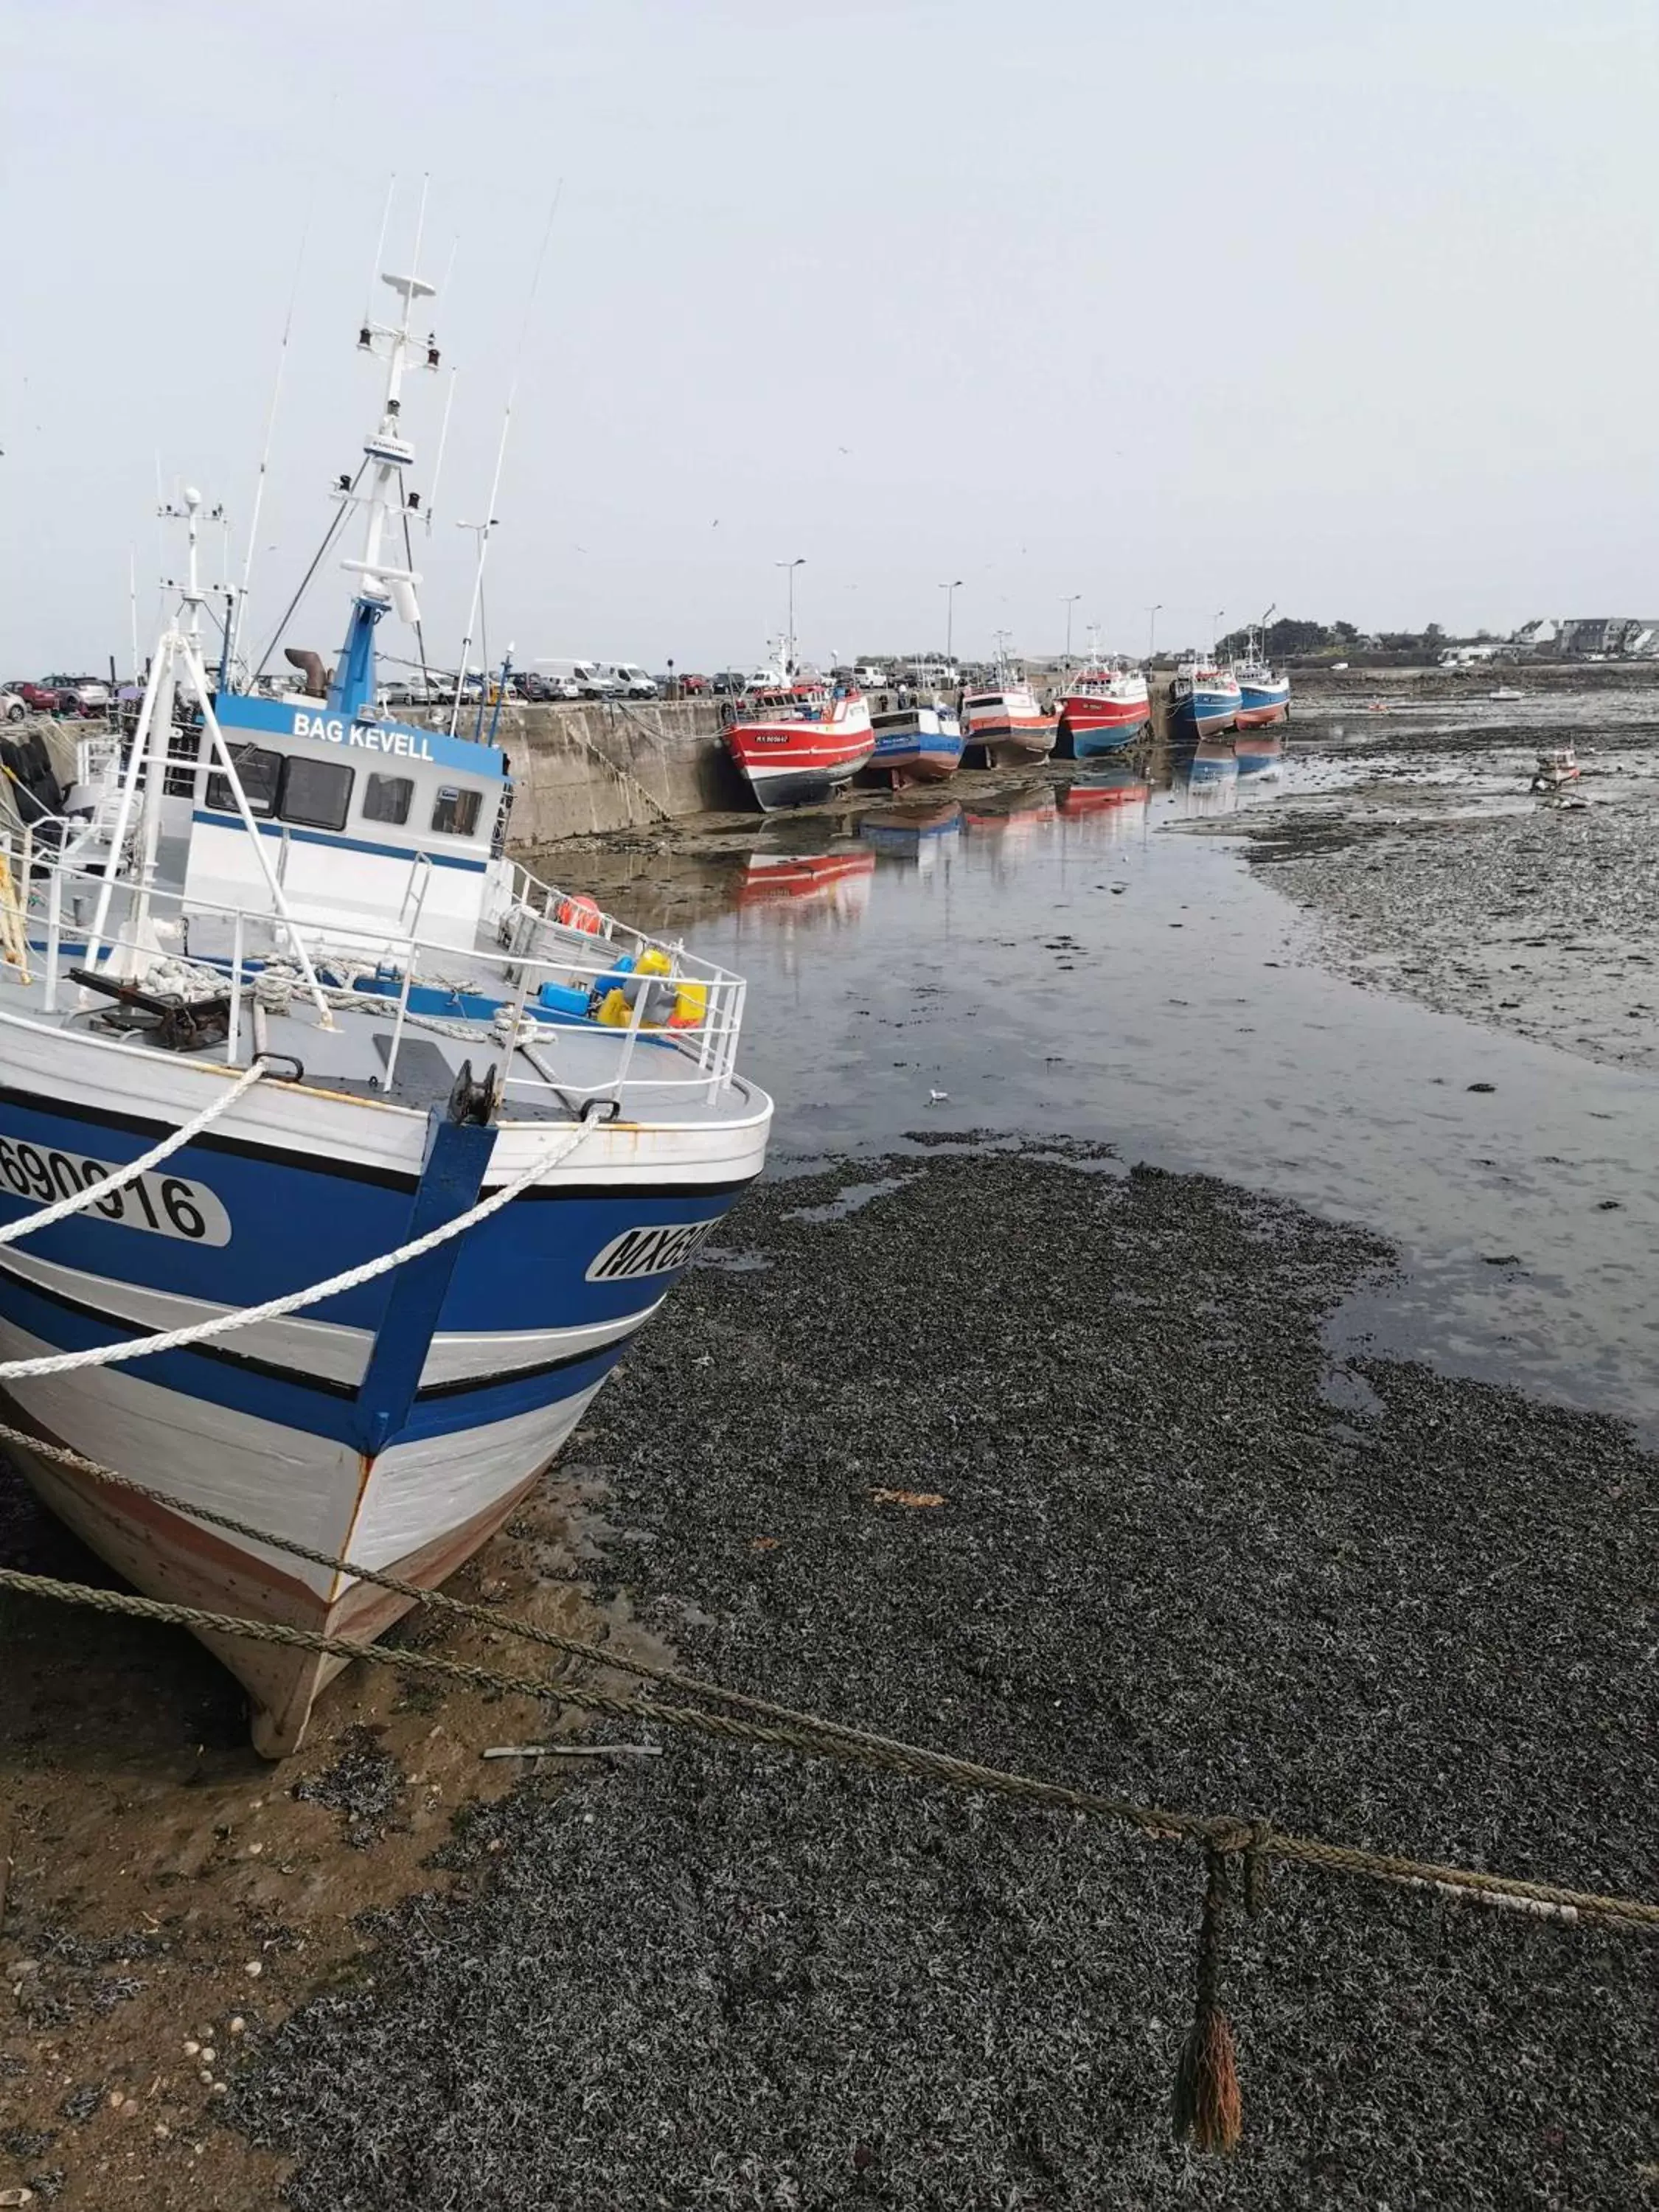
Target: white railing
573 1055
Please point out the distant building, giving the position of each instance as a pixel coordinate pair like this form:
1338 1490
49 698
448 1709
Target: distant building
1466 656
1611 637
1540 635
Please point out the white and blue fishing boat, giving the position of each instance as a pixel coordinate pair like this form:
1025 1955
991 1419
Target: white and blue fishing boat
1203 700
920 744
1264 692
426 1141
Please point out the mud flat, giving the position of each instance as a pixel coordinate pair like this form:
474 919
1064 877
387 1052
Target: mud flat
1459 890
1175 1552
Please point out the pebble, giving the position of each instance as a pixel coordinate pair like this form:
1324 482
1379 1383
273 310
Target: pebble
237 2024
208 2055
191 2046
254 1966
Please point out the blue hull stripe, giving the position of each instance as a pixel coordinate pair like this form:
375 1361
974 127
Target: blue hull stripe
292 1223
216 1377
341 844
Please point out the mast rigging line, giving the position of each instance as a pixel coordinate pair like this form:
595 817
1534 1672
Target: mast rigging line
329 536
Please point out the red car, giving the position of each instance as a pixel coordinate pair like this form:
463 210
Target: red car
46 699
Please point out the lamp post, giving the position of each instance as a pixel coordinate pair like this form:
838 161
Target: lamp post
949 592
1153 614
1215 632
1068 601
799 561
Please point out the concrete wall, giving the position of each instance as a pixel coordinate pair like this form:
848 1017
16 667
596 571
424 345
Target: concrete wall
578 770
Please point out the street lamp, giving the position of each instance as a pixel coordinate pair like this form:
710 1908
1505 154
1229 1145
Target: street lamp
789 656
949 592
1068 601
1215 630
1153 614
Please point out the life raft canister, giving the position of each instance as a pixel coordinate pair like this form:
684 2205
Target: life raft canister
581 913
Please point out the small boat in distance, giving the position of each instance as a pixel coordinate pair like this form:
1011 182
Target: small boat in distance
1506 691
1106 707
795 750
1204 700
915 744
1558 766
1006 726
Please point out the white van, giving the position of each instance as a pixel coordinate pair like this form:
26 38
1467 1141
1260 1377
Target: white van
870 677
592 678
633 679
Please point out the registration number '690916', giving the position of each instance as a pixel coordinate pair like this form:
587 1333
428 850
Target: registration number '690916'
167 1204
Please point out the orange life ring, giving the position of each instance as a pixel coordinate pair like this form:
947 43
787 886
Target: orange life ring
581 913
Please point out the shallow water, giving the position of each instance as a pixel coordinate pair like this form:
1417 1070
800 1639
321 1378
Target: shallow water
1060 958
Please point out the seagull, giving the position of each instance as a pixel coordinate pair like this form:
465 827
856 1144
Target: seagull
938 1097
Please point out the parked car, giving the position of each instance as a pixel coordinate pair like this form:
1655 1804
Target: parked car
730 684
634 680
12 706
86 694
43 699
695 686
592 678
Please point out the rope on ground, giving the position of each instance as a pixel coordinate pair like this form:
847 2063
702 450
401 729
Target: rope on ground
174 1339
94 1192
1226 1832
437 1601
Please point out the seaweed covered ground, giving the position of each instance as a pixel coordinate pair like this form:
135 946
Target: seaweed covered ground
1534 914
1174 1554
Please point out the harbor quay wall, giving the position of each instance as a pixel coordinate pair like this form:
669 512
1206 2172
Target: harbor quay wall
581 769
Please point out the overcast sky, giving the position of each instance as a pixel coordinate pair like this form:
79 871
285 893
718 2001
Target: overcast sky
1348 305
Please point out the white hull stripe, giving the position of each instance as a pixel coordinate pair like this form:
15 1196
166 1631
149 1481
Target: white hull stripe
320 1351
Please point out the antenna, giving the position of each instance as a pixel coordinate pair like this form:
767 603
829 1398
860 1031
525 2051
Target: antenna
487 526
270 433
438 459
374 266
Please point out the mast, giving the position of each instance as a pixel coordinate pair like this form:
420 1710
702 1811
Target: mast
383 584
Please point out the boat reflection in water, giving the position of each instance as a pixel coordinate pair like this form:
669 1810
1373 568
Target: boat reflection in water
1012 814
827 889
1204 778
1259 752
912 835
1109 806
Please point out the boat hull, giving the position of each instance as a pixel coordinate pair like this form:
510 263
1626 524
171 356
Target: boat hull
395 1426
1090 740
1203 715
1262 705
915 746
789 763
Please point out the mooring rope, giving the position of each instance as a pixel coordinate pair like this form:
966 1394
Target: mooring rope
200 1332
816 1738
105 1186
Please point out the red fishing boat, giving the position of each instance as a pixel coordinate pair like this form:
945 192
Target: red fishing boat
796 752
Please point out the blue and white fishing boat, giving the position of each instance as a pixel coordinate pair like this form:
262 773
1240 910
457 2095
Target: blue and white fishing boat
1203 700
425 1141
921 743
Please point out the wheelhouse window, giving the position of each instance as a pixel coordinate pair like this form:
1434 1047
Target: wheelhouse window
316 793
455 810
388 797
259 772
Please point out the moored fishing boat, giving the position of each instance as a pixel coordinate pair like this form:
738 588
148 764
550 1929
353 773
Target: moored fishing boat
796 752
1204 700
1007 725
920 744
1264 694
1105 708
424 1141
